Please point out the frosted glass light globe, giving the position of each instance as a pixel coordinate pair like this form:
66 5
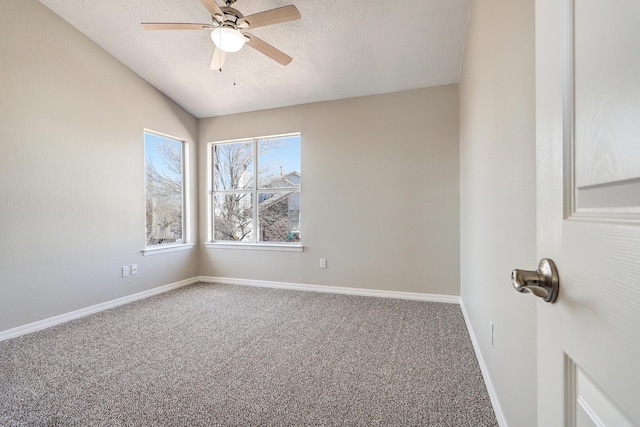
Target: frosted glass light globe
227 39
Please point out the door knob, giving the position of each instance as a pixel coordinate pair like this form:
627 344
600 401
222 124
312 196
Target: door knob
543 283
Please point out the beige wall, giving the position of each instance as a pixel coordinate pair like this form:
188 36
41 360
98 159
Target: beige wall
71 170
497 192
380 193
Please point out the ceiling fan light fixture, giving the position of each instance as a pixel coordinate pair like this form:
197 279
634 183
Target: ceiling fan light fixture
227 39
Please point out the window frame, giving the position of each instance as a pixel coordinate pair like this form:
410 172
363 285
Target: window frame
255 243
186 223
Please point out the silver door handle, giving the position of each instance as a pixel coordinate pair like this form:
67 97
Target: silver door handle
543 283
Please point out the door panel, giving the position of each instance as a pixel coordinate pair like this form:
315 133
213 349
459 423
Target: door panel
588 176
592 406
607 111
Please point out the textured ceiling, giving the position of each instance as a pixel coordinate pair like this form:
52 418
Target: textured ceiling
340 49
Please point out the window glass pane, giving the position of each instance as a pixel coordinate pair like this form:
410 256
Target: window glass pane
164 189
265 188
233 168
279 162
279 217
233 217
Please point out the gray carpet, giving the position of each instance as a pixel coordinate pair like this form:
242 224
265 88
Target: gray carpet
211 354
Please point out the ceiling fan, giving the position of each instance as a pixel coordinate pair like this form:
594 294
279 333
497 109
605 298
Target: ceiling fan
227 26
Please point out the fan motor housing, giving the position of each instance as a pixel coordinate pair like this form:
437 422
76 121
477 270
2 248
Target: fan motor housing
231 17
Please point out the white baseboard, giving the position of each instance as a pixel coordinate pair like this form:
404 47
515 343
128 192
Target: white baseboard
497 409
451 299
56 320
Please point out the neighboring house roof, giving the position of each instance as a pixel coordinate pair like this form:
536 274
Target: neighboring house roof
290 180
275 198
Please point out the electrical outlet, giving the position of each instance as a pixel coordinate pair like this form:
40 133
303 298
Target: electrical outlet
492 329
125 271
134 269
323 263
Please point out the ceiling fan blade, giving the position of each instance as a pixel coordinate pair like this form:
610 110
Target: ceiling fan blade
268 50
273 16
213 8
174 26
217 61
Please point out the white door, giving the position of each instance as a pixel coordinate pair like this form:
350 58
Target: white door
588 157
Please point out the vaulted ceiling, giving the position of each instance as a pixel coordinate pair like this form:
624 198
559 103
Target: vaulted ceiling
340 49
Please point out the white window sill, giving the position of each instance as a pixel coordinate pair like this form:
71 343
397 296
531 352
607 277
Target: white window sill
255 246
163 249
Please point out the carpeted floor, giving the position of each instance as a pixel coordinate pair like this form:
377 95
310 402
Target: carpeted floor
211 354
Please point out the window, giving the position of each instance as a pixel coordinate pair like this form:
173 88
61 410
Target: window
164 168
255 195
